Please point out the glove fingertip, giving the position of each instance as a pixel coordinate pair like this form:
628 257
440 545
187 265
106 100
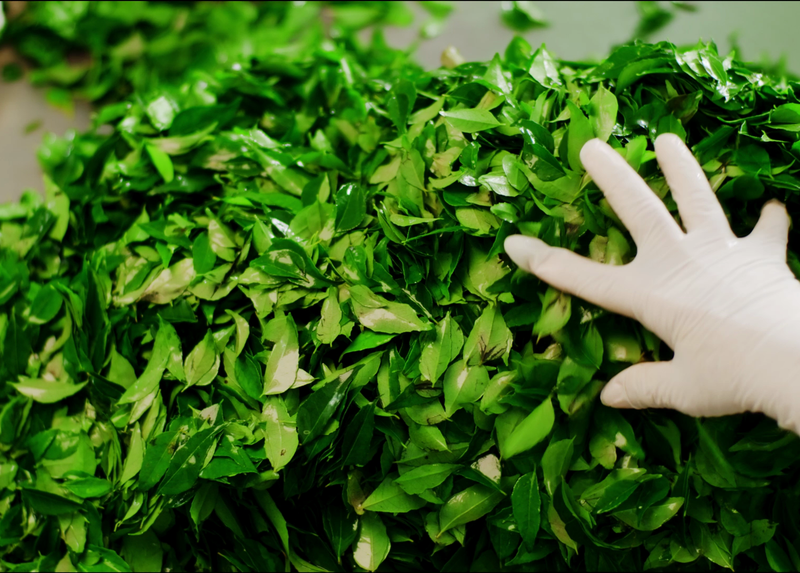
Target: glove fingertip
614 395
523 250
591 148
668 139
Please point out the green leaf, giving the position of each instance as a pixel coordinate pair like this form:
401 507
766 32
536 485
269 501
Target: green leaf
157 459
317 410
280 435
328 328
776 557
286 259
278 522
494 75
357 437
417 480
530 431
247 373
756 533
427 113
618 431
45 306
161 111
712 545
48 503
489 339
135 457
427 437
367 340
121 372
242 330
526 505
468 505
202 363
188 461
203 258
401 102
341 527
373 544
556 310
441 350
284 359
481 221
617 487
351 206
170 283
713 464
389 497
143 552
46 392
470 120
203 503
556 461
654 517
580 131
603 113
522 16
380 315
162 163
88 487
463 385
544 68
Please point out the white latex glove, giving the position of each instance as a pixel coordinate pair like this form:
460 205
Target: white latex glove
728 307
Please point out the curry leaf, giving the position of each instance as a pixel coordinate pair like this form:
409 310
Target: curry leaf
373 544
468 505
391 498
283 361
280 434
188 461
441 350
470 120
380 315
351 206
318 222
526 503
358 437
531 430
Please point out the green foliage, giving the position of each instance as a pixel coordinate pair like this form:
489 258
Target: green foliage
522 16
653 16
265 321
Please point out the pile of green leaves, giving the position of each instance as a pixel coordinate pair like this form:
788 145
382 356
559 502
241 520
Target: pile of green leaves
103 51
266 323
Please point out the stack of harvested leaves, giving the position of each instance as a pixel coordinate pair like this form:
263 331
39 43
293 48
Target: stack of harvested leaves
267 322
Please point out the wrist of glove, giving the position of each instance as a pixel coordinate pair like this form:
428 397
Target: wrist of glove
728 307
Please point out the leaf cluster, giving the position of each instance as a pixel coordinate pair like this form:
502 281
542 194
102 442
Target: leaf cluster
263 320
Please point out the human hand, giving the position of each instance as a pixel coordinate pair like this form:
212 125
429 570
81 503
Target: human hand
729 307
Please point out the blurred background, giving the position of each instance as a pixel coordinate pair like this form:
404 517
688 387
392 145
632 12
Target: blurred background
762 31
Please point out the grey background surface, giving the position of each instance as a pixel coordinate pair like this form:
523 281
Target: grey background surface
577 30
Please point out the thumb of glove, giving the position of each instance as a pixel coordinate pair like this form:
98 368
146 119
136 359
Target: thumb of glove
644 385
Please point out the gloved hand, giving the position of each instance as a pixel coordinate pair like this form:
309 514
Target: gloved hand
728 307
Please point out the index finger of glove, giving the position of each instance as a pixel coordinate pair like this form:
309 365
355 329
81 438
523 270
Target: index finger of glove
642 212
604 285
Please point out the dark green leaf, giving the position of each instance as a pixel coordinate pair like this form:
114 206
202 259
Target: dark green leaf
188 461
351 205
357 437
316 411
526 503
